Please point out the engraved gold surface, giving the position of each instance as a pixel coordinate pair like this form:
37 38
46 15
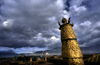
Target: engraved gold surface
71 49
67 32
73 61
71 52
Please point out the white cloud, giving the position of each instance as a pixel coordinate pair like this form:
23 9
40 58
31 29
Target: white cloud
86 23
95 32
97 23
77 10
77 27
93 41
60 3
65 14
76 2
83 45
29 49
52 18
8 23
54 38
5 48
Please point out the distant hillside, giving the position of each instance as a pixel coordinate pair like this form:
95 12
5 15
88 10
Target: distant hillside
54 50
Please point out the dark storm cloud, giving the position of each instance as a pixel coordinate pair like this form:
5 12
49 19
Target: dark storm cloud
85 14
68 5
86 4
91 49
89 36
90 10
9 53
29 24
10 39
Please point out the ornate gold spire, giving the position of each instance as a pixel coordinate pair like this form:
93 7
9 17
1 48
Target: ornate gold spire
71 52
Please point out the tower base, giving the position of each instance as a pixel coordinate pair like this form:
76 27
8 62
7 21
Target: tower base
75 61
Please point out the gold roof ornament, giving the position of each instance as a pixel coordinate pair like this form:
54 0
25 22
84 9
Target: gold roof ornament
64 20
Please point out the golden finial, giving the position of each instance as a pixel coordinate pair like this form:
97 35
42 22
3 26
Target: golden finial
64 20
59 23
69 20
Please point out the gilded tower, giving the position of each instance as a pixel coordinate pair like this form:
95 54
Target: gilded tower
71 52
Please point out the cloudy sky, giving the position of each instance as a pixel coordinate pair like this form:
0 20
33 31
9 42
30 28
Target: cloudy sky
31 26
